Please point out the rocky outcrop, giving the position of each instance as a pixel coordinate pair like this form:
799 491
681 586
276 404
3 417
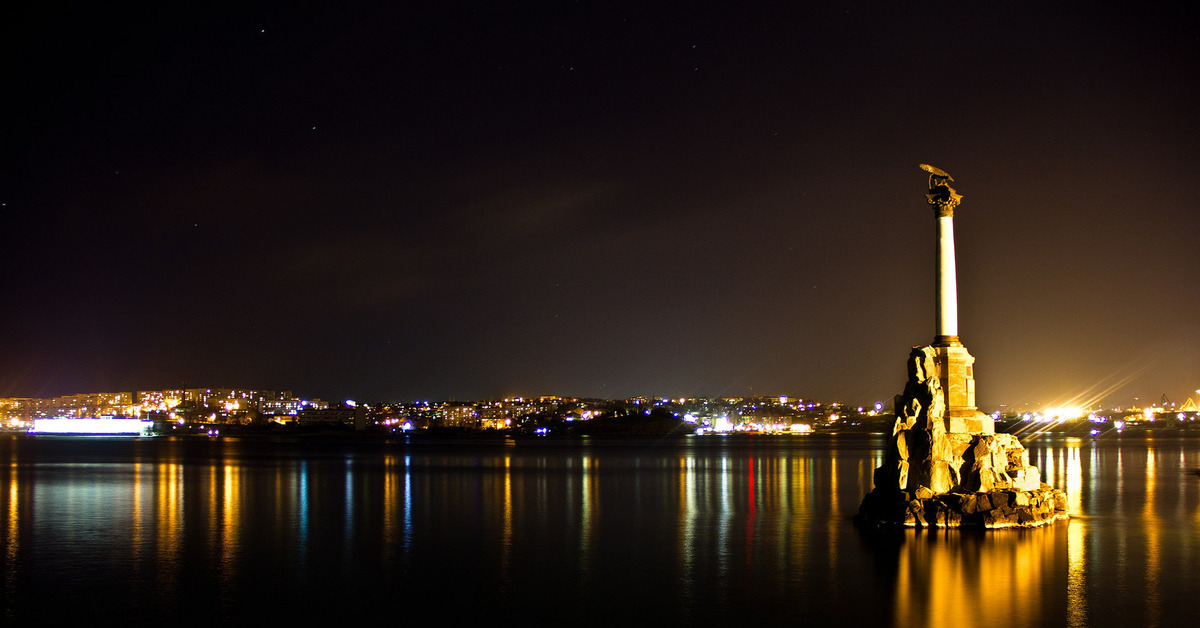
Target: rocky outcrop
934 478
992 509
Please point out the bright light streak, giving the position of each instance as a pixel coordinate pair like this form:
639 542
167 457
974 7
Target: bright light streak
1096 393
101 425
1063 413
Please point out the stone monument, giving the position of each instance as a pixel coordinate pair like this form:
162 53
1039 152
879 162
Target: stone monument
945 465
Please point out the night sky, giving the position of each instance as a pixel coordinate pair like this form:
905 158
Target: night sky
397 201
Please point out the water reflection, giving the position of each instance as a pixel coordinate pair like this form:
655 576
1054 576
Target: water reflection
698 531
1150 524
167 523
976 578
1077 611
11 537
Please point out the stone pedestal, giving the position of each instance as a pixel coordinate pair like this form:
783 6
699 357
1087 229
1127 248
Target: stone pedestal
956 374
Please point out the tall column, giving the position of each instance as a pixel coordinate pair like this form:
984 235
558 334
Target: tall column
955 364
944 199
947 281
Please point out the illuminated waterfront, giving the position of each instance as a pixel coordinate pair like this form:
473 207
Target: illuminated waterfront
692 531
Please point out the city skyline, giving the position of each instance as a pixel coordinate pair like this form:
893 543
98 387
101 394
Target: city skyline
270 402
478 202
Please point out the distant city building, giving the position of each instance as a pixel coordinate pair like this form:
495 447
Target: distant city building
14 411
159 400
342 417
210 405
85 405
458 415
279 407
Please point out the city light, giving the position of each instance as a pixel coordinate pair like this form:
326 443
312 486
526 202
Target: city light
1061 414
106 425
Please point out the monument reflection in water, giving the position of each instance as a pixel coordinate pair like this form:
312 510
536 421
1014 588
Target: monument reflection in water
701 531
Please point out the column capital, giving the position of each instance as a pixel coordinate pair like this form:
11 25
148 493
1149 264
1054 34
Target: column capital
943 206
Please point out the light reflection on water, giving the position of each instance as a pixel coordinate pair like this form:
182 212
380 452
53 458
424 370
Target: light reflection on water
977 579
695 531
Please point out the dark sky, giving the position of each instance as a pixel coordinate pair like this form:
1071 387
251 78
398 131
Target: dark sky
396 201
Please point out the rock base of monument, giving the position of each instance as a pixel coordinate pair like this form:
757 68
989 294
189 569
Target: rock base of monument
949 469
995 509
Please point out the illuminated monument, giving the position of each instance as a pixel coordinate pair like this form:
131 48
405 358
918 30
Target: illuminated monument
945 465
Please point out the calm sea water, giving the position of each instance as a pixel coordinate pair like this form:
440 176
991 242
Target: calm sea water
678 532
